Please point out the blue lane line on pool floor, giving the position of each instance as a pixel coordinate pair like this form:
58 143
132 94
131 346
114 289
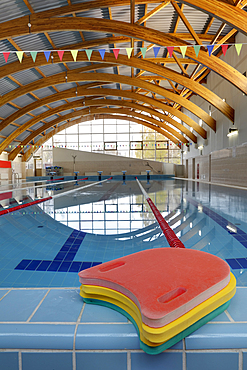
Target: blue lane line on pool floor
239 235
63 261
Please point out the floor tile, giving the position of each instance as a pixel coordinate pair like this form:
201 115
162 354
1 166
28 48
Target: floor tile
47 361
212 361
101 361
163 361
93 313
9 361
237 308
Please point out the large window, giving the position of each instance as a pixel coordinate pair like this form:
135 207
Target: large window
117 137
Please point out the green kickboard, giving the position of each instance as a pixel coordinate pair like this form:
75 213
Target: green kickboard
162 347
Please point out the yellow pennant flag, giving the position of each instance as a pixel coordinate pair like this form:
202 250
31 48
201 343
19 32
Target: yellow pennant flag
238 48
19 55
74 54
129 52
183 50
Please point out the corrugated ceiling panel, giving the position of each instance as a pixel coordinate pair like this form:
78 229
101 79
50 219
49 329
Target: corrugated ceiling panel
42 93
65 38
36 126
51 69
75 65
51 118
11 9
7 85
162 20
24 100
8 130
23 136
66 86
94 35
40 110
39 6
66 112
196 19
57 103
23 119
6 110
27 76
33 42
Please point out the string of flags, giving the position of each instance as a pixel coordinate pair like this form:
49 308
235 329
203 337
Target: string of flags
49 54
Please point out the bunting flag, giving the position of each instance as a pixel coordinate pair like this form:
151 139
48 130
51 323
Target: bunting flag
6 56
89 53
47 55
156 50
197 49
224 49
238 48
74 54
116 52
129 52
102 53
33 55
60 54
183 50
19 55
143 51
210 49
170 50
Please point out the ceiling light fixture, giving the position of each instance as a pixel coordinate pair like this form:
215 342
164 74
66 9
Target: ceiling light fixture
200 147
232 131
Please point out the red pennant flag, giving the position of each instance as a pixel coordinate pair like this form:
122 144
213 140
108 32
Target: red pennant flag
6 56
116 52
60 54
224 49
170 50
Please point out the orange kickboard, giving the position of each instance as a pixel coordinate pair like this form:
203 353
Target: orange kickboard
164 283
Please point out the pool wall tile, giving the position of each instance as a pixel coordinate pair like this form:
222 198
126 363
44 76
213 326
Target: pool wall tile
163 361
106 337
237 304
36 336
101 361
245 360
93 313
212 361
47 361
9 361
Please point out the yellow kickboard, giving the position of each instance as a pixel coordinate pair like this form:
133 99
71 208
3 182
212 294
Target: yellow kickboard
159 335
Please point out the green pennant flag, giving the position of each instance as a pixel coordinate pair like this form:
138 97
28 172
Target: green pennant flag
89 53
74 54
238 48
143 50
183 50
197 49
33 55
19 55
129 52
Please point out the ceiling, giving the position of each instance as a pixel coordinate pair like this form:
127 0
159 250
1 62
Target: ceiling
93 76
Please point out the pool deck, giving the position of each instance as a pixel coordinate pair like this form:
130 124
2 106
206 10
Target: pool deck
55 323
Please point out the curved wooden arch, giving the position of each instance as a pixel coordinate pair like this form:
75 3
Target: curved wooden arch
94 111
104 77
41 141
80 103
110 61
81 91
127 29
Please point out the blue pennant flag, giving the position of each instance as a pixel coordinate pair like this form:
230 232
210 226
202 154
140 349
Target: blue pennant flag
210 49
156 49
102 53
47 55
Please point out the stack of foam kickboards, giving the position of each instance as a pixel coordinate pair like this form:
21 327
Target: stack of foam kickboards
166 293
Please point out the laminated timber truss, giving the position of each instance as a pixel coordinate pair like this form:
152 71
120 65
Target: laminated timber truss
41 97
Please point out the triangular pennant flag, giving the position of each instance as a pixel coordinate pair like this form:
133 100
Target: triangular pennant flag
102 53
60 54
224 48
116 52
197 49
33 55
6 56
183 50
19 55
74 54
143 50
156 49
47 55
129 52
89 53
210 49
238 48
170 50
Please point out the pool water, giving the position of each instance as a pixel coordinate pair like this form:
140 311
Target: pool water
47 245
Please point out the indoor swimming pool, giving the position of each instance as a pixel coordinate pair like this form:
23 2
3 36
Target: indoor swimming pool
46 245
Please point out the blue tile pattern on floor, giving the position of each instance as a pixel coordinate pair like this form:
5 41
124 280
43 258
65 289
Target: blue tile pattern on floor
212 361
63 261
237 263
101 361
47 361
163 361
9 360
